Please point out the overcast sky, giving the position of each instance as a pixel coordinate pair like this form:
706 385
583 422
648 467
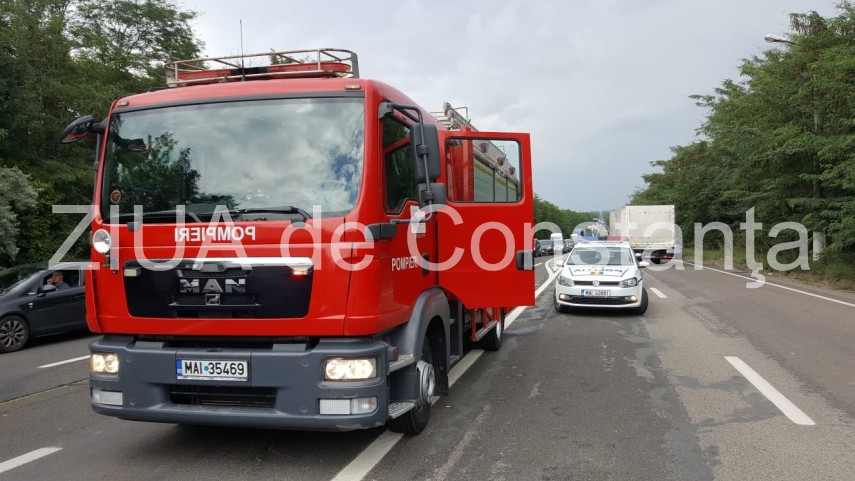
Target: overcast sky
601 85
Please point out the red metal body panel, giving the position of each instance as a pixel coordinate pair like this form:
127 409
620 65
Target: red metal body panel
475 286
366 301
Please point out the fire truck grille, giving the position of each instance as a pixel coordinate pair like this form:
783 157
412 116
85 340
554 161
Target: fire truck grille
263 292
223 396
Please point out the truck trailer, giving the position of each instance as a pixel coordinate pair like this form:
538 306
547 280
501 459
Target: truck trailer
650 229
279 243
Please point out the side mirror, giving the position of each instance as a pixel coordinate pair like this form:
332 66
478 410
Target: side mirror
46 288
77 130
643 264
429 145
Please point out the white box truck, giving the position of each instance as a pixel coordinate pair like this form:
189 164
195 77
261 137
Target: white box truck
558 244
650 229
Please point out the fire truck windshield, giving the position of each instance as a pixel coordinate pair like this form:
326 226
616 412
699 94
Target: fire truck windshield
305 153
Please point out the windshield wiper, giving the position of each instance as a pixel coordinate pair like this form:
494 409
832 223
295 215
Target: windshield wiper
164 213
288 209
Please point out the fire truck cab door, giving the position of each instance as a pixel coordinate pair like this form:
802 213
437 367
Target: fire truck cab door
485 230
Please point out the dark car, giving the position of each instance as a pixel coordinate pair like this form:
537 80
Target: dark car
537 249
546 248
30 305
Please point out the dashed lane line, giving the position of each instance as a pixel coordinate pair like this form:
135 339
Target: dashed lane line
789 409
26 458
658 293
67 361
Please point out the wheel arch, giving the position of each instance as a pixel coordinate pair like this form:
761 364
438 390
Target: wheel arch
430 318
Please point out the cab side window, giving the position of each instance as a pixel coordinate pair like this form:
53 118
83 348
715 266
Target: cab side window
398 165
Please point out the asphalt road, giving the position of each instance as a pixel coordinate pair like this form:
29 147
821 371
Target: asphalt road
587 396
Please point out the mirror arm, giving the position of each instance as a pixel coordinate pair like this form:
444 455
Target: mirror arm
422 150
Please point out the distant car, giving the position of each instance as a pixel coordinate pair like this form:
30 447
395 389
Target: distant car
603 275
546 247
30 307
537 251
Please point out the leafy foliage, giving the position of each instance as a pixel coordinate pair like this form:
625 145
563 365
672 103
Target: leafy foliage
565 219
60 59
780 140
16 195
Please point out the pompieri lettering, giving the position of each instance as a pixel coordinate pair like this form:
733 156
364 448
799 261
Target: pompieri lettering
214 234
402 263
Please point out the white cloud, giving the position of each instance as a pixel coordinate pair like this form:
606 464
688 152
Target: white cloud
602 86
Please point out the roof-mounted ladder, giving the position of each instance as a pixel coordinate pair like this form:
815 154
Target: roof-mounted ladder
452 118
319 62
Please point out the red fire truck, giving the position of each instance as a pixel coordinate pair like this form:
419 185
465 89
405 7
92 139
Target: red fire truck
279 243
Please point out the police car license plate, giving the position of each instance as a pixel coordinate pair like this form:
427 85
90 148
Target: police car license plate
595 293
202 370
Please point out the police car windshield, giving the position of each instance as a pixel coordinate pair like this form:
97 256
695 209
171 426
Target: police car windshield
601 256
258 154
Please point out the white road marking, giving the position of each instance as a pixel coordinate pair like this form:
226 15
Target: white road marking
538 264
367 459
776 285
540 289
461 367
67 361
26 458
789 409
658 293
377 450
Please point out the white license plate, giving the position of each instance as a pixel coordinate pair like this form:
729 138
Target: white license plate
195 369
595 293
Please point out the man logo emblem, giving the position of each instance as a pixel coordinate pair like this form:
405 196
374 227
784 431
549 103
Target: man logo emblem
212 299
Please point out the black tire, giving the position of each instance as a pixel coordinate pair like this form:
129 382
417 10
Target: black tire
656 260
643 307
492 341
416 419
14 333
562 309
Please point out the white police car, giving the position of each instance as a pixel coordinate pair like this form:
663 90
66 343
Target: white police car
603 275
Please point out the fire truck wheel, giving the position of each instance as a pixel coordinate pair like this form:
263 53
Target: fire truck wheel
415 420
14 333
493 340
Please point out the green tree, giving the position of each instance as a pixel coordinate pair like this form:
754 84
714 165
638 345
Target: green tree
60 59
135 37
16 196
780 140
565 219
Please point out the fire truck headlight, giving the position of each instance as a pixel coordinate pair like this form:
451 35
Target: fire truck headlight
105 363
102 241
339 369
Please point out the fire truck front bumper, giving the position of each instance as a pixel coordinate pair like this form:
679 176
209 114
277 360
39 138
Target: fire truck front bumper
267 385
